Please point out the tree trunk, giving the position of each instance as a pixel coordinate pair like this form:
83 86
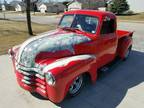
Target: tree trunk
89 3
28 17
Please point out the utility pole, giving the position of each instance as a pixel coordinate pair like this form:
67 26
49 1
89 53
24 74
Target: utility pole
89 3
28 3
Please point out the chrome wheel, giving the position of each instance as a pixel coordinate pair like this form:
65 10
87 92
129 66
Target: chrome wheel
76 85
127 53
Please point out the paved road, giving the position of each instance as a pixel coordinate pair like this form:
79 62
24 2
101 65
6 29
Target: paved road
122 87
36 19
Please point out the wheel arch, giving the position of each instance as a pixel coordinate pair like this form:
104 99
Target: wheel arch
89 75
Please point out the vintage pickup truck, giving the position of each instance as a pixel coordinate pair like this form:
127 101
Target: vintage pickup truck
54 64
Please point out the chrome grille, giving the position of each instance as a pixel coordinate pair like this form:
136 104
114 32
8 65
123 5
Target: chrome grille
33 79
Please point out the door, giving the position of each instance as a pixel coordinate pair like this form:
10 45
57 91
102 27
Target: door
108 41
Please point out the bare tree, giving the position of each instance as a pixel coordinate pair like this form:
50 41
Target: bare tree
28 13
28 5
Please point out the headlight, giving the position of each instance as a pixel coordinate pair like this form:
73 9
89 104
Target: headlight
10 53
50 79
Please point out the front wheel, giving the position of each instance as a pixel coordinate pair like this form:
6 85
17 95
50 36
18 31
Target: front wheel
76 85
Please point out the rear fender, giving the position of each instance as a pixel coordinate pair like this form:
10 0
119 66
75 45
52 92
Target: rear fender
131 34
123 45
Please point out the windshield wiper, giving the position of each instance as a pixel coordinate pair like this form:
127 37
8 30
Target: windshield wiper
68 28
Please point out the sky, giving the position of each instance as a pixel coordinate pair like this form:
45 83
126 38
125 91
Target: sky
21 0
136 5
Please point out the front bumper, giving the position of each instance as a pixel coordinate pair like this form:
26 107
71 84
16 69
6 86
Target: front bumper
32 82
35 82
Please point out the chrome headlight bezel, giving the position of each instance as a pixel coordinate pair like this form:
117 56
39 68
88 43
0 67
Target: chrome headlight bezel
50 79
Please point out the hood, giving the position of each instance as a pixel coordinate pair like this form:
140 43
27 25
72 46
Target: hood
50 42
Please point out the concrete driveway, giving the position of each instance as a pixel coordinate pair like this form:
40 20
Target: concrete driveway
121 87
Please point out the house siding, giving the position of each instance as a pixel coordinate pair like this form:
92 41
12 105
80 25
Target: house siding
42 8
74 6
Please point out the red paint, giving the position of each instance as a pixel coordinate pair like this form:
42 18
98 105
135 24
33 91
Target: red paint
104 47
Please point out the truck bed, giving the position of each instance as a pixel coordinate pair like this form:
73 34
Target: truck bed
123 33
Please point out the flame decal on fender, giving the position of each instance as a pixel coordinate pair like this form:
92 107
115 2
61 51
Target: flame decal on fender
65 61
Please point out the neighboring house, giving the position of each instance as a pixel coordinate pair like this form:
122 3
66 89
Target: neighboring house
3 7
20 7
102 8
87 4
60 6
42 8
74 5
51 7
93 4
136 5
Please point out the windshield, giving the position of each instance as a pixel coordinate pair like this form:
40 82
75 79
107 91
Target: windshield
82 22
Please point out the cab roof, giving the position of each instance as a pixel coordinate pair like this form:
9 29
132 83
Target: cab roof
91 13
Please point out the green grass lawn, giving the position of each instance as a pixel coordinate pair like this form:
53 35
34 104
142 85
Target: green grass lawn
15 32
135 17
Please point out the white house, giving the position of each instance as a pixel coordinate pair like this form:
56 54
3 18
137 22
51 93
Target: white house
51 7
18 8
136 5
102 8
74 5
3 7
42 8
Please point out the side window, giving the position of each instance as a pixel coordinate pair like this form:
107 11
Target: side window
108 26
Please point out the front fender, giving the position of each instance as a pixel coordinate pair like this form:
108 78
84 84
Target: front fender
62 67
65 70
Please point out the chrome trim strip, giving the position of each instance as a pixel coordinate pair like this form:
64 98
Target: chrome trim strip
42 90
41 86
26 78
39 76
25 73
26 82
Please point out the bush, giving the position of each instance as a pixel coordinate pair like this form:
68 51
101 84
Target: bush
129 12
119 6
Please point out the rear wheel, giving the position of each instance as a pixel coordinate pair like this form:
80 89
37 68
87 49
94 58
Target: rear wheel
76 85
127 54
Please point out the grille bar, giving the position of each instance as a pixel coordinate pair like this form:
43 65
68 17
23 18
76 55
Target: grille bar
26 82
40 76
34 79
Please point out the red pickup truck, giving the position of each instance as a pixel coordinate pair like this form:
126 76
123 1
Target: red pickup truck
54 64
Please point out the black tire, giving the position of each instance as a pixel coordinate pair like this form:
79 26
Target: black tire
127 54
75 89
